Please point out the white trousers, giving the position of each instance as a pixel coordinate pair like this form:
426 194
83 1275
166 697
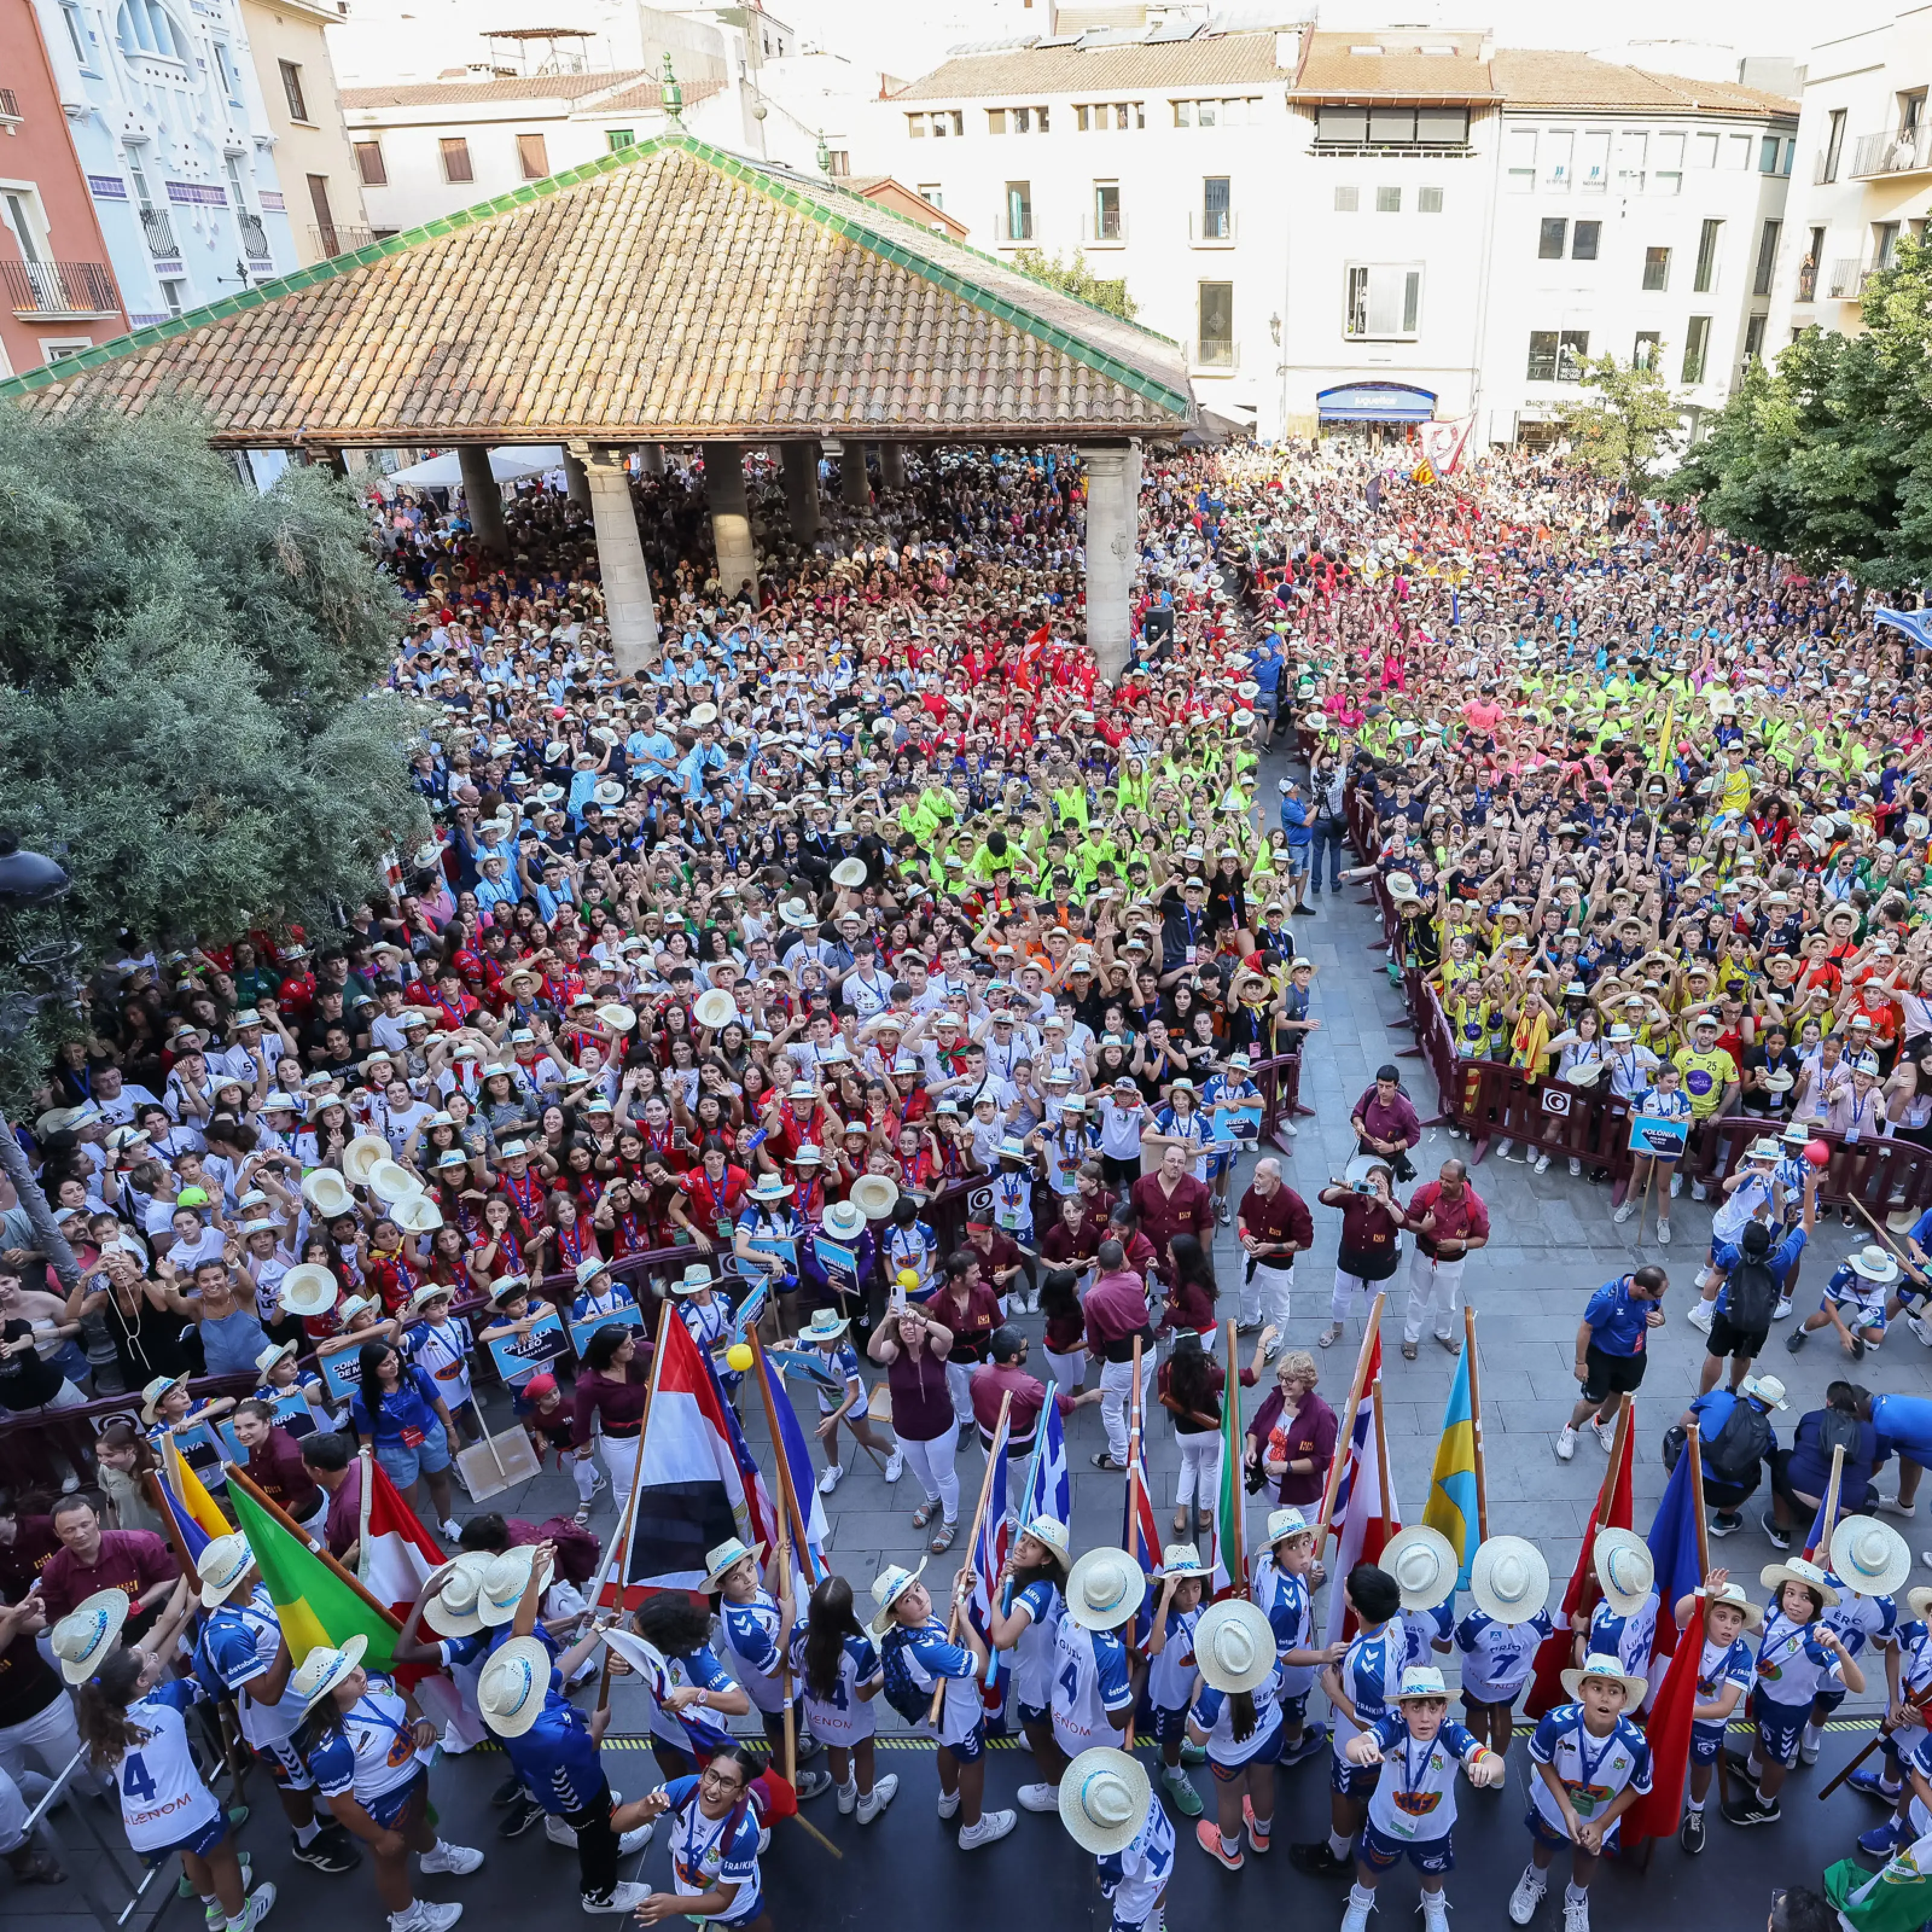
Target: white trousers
620 1465
932 1462
1199 1481
1264 1298
46 1741
1117 1382
959 1387
1351 1295
1068 1371
1433 1285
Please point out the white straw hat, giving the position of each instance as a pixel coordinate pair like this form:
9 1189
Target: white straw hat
874 1196
1104 1795
1234 1644
327 1192
221 1567
1509 1580
511 1691
1794 1569
503 1583
323 1669
361 1154
1422 1562
83 1639
888 1587
1869 1558
454 1611
308 1290
727 1555
1104 1588
1623 1568
1606 1669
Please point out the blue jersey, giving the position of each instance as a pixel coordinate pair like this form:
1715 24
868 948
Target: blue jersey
1423 1630
1132 1880
1592 1770
917 1662
751 1648
709 1851
1414 1798
238 1645
1371 1671
556 1758
1627 1639
1498 1658
369 1754
1285 1601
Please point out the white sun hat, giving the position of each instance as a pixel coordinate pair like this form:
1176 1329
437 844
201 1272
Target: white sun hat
1104 1588
83 1639
1509 1579
221 1567
1423 1563
512 1690
888 1587
323 1669
1869 1558
1104 1795
455 1610
503 1583
1234 1644
1624 1568
1606 1670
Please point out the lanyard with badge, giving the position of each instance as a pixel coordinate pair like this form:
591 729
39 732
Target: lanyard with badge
1405 1822
1583 1792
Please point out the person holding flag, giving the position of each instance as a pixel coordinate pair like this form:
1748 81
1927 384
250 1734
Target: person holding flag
758 1631
1869 1561
840 1675
1509 1583
1725 1666
1279 1588
1025 1620
1623 1624
1092 1697
1171 1673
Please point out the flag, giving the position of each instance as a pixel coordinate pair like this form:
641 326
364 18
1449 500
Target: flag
1357 1520
791 1445
1553 1655
316 1605
694 1490
1818 1542
1451 1507
989 1557
1049 1484
1659 1812
195 1511
395 1555
1445 443
1673 1551
1141 1534
1231 1556
1898 1897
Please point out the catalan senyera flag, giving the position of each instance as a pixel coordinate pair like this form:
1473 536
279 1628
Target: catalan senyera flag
1231 1556
1452 1506
316 1606
188 1498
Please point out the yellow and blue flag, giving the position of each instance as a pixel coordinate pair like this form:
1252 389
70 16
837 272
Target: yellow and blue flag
1452 1489
196 1516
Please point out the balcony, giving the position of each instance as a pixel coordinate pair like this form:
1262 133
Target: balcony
338 238
160 231
254 236
1808 282
1214 356
9 108
1847 279
1104 231
1218 228
1895 151
1025 234
65 290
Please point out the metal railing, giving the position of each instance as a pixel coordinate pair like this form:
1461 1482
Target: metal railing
9 104
1847 279
1222 357
254 236
1219 229
1896 151
59 288
1098 231
1808 282
338 238
160 231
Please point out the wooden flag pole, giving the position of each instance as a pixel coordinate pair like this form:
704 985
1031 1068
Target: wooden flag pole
1693 1448
1231 1394
787 1489
1619 1443
621 1540
972 1540
1476 1426
1381 1458
1347 1429
1834 1491
318 1550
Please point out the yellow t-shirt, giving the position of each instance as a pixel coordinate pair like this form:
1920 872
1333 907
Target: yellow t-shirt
1706 1077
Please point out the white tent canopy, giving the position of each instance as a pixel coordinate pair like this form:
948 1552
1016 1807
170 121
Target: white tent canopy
507 464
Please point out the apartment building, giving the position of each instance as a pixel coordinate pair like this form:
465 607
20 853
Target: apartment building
323 198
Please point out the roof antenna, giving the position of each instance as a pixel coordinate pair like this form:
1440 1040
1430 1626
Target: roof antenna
674 98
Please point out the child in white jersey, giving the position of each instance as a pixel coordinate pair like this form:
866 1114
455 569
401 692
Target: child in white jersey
1509 1584
1722 1614
839 1675
1279 1586
1109 1809
1028 1601
1171 1667
1237 1716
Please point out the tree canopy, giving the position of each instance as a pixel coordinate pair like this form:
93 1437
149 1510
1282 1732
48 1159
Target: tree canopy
1632 425
191 719
1828 458
1073 277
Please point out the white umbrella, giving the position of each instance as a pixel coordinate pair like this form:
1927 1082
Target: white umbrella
506 465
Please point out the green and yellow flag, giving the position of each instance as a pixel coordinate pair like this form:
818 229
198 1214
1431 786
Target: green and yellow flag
316 1604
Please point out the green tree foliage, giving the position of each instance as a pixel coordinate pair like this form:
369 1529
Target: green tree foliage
190 716
1828 458
1632 425
1074 278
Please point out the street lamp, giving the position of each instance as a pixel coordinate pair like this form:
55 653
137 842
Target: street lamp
27 878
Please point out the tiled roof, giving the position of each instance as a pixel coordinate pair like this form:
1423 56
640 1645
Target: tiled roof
1335 69
1214 60
649 95
667 292
1536 79
480 93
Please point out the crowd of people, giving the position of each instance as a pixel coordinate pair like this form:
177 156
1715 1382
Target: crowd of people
865 958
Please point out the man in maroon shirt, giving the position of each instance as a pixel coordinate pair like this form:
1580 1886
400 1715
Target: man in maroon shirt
1004 1373
1116 1308
92 1558
1386 1123
26 1542
1449 1222
1171 1201
1273 1225
339 1474
1000 1261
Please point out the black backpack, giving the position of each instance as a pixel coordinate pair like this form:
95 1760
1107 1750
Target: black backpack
1752 1292
1733 1454
1838 1430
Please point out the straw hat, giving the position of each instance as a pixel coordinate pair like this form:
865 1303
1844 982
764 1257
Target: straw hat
1051 1533
1874 1265
1233 1644
454 1611
221 1567
83 1638
361 1154
727 1555
618 1018
1104 1795
503 1583
1624 1568
844 1221
849 872
715 1009
420 1298
1606 1670
155 1393
1796 1570
1918 1602
327 1192
888 1587
826 1324
514 1687
1869 1558
1104 1588
874 1196
417 1215
696 1278
1284 1523
323 1669
309 1289
1509 1579
266 1361
1733 1594
1423 1563
1183 1559
392 1183
1420 1681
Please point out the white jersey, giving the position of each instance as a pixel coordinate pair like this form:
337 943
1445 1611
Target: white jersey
1591 1770
1090 1679
1213 1715
372 1754
163 1801
1171 1674
442 1347
238 1645
1285 1602
1414 1798
1498 1658
1034 1654
844 1718
1132 1881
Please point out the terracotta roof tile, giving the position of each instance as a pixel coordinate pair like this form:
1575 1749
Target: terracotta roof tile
1214 60
669 291
1333 69
479 93
1535 78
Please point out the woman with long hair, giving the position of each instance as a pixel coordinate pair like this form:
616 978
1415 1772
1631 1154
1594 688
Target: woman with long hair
1191 1386
1031 1587
398 1411
840 1674
690 1708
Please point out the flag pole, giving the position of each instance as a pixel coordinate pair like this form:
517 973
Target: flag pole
1619 1443
1693 1448
367 1496
1476 1425
788 1526
1834 1491
1237 1570
622 1539
1382 1458
973 1539
159 1498
787 1489
1347 1429
321 1551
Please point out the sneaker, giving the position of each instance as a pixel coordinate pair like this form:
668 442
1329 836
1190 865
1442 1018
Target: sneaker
257 1906
992 1826
1527 1896
884 1790
1038 1797
1700 1314
949 1804
1872 1783
1259 1842
510 1792
1180 1792
1318 1861
1542 1164
425 1917
1576 1168
833 1476
625 1897
1207 1836
894 1465
1891 1506
810 1784
1313 1742
1566 1443
1676 1185
330 1850
634 1840
526 1815
452 1532
848 1797
1192 1753
460 1860
1355 1917
1690 1833
1753 1809
1882 1841
1698 1190
1606 1433
1576 1914
1808 1751
558 1833
1782 1309
1624 1213
1726 1523
1435 1911
215 1916
1664 1234
1780 1539
1796 1340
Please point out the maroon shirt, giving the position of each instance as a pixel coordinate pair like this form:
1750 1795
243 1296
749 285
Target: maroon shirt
621 1404
133 1560
1281 1215
1189 1209
277 1468
344 1525
1465 1220
1117 1311
921 1403
971 1325
26 1556
991 1381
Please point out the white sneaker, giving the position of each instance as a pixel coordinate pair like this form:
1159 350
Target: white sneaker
895 1466
1624 1213
1664 1234
992 1824
626 1898
833 1476
1576 1168
1355 1918
1699 1315
452 1530
1698 1192
1606 1433
461 1860
1436 1912
1527 1896
555 1831
635 1841
1542 1164
1576 1915
424 1917
256 1907
884 1790
1039 1797
1676 1185
1566 1443
1782 1309
949 1804
848 1798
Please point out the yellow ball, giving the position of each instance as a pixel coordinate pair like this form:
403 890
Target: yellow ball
738 1356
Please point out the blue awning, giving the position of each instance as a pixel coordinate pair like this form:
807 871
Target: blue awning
1376 402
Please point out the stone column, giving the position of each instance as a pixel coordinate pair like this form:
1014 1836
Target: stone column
731 522
891 466
800 461
1112 469
855 491
484 497
579 483
650 459
629 608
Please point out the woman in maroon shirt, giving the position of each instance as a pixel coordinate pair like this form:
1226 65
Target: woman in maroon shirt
912 1345
1298 1463
1370 1222
1192 1295
1190 1388
275 1465
613 1384
967 1306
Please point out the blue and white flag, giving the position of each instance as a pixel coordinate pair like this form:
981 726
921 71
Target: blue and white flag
1049 1484
791 1445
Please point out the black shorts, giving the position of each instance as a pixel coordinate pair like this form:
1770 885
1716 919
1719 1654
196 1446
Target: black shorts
1120 1170
1610 1375
1726 1338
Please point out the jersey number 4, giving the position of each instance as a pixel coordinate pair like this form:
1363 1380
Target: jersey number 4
134 1779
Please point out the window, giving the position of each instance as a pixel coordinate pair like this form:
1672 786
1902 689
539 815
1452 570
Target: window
838 162
1703 150
1657 269
1390 127
936 125
1429 201
1584 240
1737 151
1347 200
146 27
1542 356
292 89
1557 355
1767 155
76 33
616 139
1705 279
369 164
1644 351
1241 112
1834 147
1790 155
325 217
1572 350
23 216
1097 117
1754 338
1593 162
1388 201
456 157
1217 218
1556 159
224 66
934 192
237 188
533 156
1338 127
1106 211
1666 177
1019 211
1884 244
1215 346
171 294
1633 153
1767 258
1911 113
1382 302
1016 120
138 175
1519 160
1696 341
1554 232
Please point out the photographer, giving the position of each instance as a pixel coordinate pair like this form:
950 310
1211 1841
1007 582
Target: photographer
1371 1223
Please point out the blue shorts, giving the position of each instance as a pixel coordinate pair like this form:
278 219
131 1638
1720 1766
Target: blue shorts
1780 1728
1351 1780
1555 1839
972 1748
198 1843
1170 1726
1034 1714
1268 1753
402 1464
1381 1853
1859 1320
285 1766
388 1808
1706 1741
1828 1701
